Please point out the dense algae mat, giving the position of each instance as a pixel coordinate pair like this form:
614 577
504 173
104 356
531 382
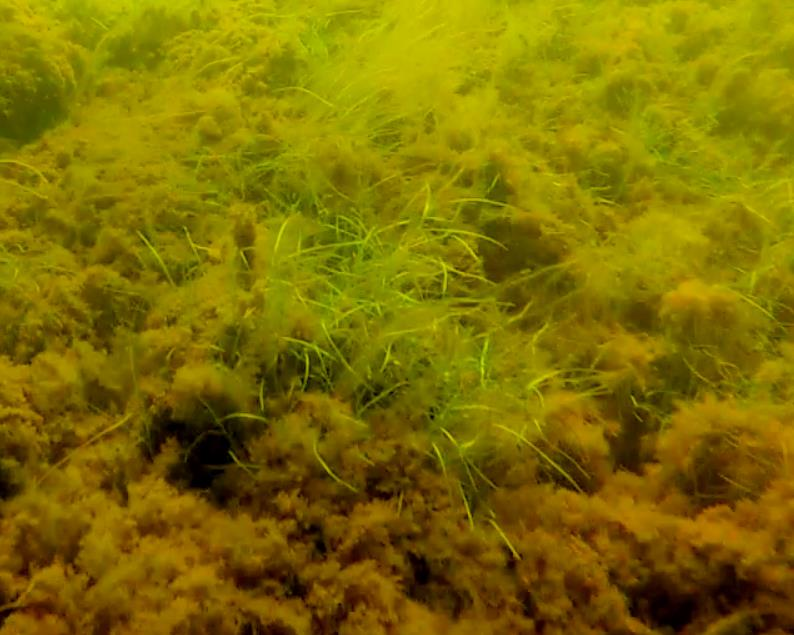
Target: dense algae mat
406 317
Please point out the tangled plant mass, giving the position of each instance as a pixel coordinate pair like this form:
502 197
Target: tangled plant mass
403 318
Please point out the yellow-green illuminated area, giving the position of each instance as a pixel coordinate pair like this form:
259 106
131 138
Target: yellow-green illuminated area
396 317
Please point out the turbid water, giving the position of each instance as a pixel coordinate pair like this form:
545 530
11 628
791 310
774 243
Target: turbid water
402 318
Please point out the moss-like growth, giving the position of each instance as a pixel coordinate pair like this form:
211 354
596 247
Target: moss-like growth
720 452
38 73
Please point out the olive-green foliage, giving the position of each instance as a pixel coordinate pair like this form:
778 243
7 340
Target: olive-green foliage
378 302
38 73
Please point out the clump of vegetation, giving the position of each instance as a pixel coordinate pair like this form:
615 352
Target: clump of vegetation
718 335
39 71
721 452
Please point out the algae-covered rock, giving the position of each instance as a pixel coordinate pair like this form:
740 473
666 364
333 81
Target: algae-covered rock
37 73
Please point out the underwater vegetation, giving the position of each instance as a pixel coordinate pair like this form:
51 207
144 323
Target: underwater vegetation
351 317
